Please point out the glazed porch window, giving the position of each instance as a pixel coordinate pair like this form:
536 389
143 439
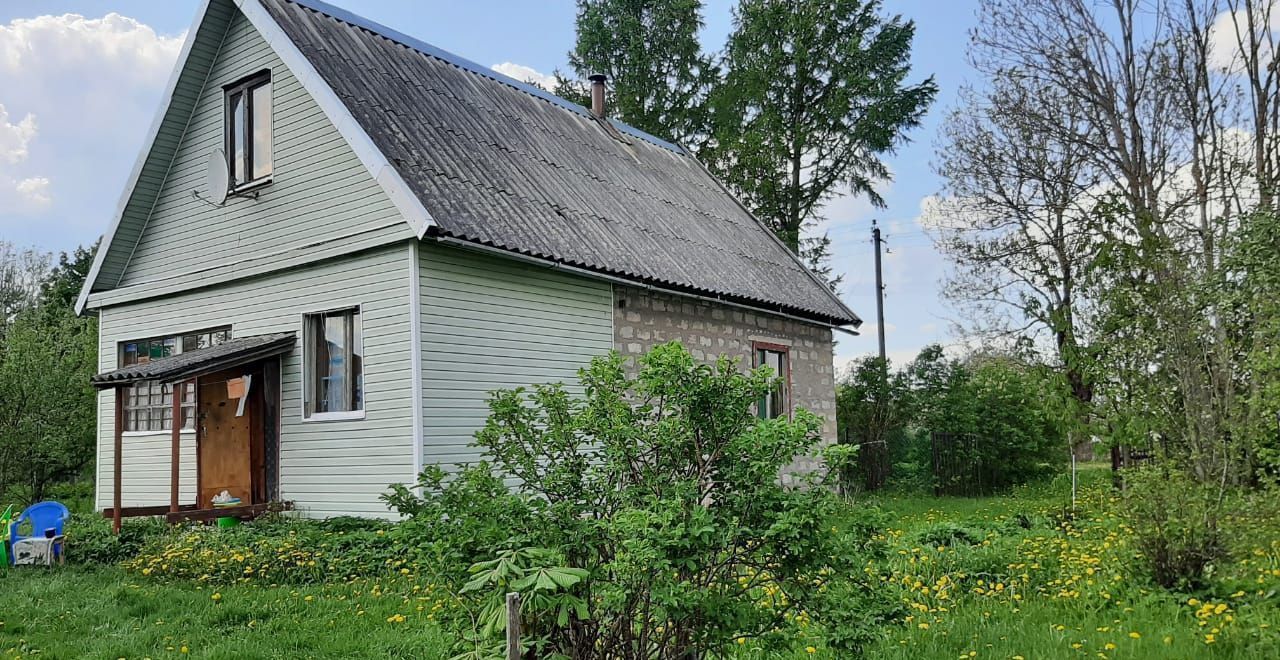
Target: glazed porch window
148 406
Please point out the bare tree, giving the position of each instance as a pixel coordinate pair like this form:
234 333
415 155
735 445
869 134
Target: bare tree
1135 96
1016 221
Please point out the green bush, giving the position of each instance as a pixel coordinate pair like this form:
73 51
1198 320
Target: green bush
1176 521
651 518
948 535
277 550
90 539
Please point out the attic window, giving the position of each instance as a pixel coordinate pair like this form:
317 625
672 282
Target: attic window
248 130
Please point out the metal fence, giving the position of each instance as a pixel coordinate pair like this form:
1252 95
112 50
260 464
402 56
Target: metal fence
960 466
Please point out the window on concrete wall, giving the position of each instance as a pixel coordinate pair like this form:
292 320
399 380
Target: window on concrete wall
334 365
248 131
148 406
778 358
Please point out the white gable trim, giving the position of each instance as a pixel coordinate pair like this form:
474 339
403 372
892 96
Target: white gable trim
369 154
405 201
136 172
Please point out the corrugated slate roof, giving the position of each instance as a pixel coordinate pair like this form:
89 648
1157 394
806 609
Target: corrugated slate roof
199 361
503 164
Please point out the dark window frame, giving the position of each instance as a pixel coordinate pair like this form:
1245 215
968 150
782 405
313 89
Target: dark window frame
757 350
244 89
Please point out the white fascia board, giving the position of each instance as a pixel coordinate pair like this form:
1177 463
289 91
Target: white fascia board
383 172
136 172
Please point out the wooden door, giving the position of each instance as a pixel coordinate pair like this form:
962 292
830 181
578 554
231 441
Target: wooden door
225 457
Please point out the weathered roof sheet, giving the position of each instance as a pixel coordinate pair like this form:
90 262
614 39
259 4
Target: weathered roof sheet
503 164
200 361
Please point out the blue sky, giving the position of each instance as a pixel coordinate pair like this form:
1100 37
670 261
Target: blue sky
77 94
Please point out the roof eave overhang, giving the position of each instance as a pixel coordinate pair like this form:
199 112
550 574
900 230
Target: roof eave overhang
381 169
270 349
183 55
845 325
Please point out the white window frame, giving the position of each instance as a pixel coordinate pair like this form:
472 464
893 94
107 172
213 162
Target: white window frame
179 336
347 415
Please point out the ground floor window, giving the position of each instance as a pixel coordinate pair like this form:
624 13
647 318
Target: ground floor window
778 402
148 406
334 363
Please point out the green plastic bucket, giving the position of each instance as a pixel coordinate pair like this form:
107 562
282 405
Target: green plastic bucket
228 521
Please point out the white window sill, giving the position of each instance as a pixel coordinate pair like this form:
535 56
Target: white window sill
250 186
140 434
353 415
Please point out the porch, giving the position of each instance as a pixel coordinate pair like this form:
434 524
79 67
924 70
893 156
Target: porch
236 409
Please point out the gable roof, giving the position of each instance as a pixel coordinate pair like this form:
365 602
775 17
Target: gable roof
500 164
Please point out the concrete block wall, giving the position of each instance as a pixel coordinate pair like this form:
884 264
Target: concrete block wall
643 319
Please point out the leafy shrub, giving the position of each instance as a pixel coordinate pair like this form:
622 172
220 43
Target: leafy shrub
276 551
1176 523
90 539
664 491
948 535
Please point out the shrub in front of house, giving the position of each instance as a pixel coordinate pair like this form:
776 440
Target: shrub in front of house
90 539
651 519
275 550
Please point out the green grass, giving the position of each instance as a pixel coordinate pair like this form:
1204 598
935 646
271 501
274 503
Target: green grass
1073 592
1015 575
76 612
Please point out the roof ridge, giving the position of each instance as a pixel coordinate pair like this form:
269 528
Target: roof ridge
461 62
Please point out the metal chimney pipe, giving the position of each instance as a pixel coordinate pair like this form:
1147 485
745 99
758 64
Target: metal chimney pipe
597 94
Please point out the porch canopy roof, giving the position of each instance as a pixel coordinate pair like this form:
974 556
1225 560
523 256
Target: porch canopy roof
198 362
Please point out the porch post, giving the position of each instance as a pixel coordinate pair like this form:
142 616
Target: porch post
119 451
176 440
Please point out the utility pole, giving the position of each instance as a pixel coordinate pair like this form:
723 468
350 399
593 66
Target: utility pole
875 239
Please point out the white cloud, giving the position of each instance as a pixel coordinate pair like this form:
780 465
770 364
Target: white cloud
34 190
44 45
1230 29
20 195
15 137
94 84
526 74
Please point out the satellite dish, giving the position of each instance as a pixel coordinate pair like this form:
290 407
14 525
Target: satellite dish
216 177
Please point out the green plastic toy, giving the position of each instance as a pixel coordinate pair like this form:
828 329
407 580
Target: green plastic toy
5 519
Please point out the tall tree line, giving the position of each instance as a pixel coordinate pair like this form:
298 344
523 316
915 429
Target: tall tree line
1111 188
47 354
800 105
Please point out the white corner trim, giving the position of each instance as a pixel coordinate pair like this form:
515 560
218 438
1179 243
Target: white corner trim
148 143
415 358
370 155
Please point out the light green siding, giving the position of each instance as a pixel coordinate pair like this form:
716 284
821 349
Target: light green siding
490 323
327 468
321 202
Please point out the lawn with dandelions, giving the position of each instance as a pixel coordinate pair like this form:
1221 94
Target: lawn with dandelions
88 612
1016 576
1021 576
